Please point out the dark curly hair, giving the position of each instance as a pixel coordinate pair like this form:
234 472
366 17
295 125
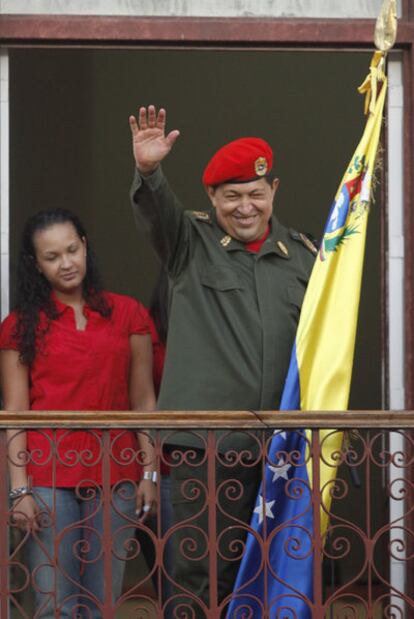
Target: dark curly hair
33 293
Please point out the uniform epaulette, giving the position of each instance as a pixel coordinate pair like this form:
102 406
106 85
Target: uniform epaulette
201 216
305 240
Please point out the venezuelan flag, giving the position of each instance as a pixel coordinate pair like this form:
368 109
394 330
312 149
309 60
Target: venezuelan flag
275 576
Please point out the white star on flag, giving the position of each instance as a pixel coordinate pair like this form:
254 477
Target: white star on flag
281 434
280 470
268 509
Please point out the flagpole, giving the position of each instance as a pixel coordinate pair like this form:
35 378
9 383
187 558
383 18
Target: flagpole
385 36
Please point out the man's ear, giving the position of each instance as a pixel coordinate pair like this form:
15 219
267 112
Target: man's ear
274 187
211 192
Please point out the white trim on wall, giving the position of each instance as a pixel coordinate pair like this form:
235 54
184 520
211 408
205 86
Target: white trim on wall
395 301
4 182
357 9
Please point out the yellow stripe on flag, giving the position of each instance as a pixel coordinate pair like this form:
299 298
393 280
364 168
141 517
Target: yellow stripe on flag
325 339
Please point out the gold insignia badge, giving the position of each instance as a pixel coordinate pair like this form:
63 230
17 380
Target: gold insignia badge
225 240
308 243
201 215
282 248
260 166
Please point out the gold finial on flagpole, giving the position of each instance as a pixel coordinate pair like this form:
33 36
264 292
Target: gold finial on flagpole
385 37
386 26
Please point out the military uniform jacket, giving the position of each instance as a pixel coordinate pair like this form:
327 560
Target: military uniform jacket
233 313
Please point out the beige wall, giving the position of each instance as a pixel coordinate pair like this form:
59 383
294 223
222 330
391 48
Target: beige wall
224 8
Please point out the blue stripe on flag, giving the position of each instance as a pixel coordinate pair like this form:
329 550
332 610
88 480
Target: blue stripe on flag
282 574
291 391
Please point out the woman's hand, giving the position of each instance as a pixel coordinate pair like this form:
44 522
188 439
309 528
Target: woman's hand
146 499
25 513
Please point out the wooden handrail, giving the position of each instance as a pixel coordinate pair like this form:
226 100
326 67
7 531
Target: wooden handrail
246 420
141 30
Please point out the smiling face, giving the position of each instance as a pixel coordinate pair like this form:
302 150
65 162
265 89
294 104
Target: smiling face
244 209
61 257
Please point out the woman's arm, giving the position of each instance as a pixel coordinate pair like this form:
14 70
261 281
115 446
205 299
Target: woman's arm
15 389
142 397
141 386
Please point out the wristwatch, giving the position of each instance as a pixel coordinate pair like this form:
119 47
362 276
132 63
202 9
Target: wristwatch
150 475
17 493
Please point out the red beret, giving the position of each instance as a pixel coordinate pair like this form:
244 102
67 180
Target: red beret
240 161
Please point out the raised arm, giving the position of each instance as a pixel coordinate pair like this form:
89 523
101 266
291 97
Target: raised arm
156 209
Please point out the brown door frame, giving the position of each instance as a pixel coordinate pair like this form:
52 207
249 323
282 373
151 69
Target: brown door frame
194 32
190 32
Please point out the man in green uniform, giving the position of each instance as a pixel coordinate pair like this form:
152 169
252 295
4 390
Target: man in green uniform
238 280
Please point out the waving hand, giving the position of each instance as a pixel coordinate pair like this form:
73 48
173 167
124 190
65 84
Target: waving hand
150 143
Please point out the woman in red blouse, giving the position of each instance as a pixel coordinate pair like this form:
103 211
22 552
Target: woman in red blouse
69 345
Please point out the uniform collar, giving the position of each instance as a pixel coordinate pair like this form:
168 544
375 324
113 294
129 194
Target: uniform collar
227 242
275 243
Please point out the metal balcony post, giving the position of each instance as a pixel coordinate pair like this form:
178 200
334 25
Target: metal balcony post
106 520
318 611
212 523
4 529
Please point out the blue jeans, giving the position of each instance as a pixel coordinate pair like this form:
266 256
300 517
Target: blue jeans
66 556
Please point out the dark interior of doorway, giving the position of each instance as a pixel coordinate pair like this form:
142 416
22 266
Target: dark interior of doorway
70 147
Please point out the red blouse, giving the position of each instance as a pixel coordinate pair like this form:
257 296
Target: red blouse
82 370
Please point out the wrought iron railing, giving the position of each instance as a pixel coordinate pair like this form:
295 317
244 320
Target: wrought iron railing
64 561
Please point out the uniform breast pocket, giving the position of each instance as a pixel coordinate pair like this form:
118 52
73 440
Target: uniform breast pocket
220 278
